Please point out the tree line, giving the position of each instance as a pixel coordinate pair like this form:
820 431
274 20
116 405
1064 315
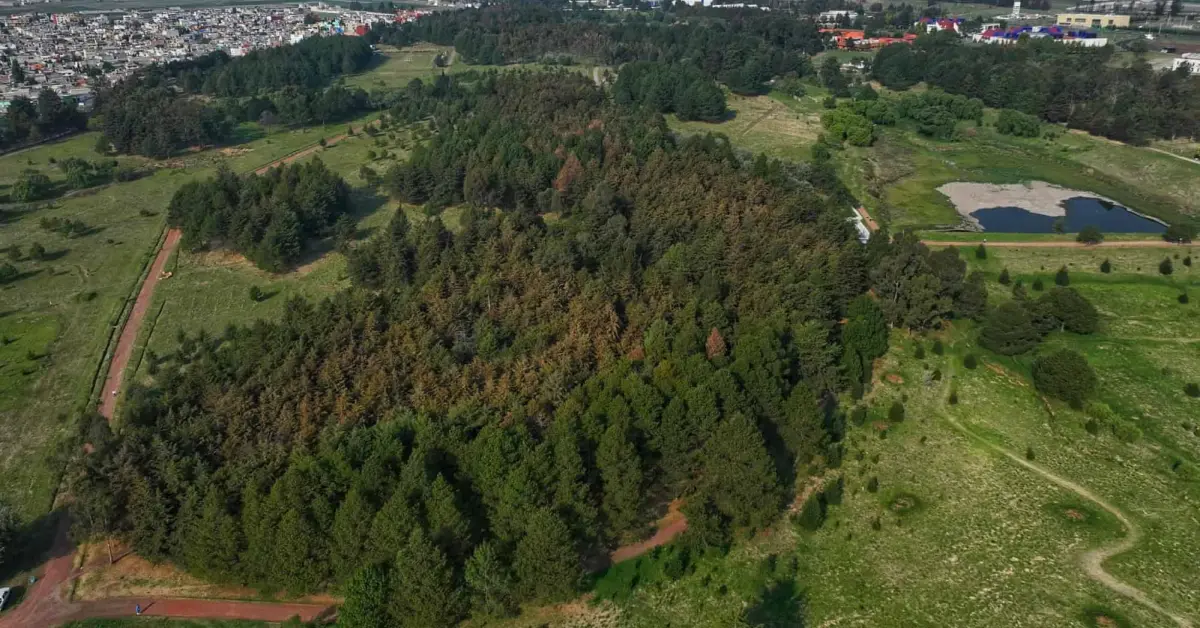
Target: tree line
28 120
490 408
1058 83
156 112
269 218
743 49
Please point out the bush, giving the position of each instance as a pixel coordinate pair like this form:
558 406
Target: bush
1064 375
1089 235
1037 285
858 416
834 491
1061 278
1004 278
1165 267
256 294
1092 426
1075 313
970 361
920 352
981 252
1106 267
1187 261
1183 298
1018 124
1126 432
37 252
1181 233
1029 452
1008 330
8 273
953 399
1192 389
896 412
873 485
812 515
938 348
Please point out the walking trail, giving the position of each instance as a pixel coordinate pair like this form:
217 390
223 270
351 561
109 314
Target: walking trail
47 602
1092 560
670 526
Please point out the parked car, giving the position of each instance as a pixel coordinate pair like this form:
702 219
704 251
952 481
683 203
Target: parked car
4 594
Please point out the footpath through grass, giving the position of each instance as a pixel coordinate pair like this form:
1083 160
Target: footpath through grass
57 316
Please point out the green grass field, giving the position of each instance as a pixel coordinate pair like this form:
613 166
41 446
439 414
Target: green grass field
778 125
57 317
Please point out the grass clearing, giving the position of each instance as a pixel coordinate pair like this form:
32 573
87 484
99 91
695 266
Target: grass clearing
63 308
778 125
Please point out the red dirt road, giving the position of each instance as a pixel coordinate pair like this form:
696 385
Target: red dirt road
670 526
124 350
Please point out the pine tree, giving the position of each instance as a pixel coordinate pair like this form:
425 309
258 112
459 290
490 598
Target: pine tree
546 561
448 528
366 604
1105 267
572 495
348 536
490 582
621 471
803 426
298 565
211 545
1061 278
715 345
424 594
392 526
1004 278
866 329
738 473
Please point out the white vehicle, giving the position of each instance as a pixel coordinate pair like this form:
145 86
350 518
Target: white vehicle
4 593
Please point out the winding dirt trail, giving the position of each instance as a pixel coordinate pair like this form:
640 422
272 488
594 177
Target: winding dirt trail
1092 560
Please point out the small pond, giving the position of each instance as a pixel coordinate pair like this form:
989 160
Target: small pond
1082 211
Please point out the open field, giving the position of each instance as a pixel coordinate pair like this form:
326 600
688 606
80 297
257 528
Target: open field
397 66
57 316
779 126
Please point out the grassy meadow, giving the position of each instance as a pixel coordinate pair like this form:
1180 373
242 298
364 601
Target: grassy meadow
57 317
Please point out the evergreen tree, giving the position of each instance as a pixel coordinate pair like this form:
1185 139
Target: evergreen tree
1004 278
211 545
424 593
348 536
1008 330
298 563
866 329
392 526
803 425
1105 267
1061 278
739 474
1066 375
1165 267
621 471
367 597
448 527
490 582
546 561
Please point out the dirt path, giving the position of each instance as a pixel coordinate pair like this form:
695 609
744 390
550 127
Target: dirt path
182 608
1053 244
1092 560
1179 157
666 529
125 342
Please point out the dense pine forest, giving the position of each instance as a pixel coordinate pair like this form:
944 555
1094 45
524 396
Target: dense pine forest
623 318
268 218
1063 84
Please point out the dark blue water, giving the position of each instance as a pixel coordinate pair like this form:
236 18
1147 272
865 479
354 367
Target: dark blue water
1081 212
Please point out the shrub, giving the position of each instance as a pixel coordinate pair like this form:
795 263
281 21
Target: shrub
970 361
1165 267
938 348
8 273
1037 285
858 416
1126 432
1012 122
1009 330
937 375
920 352
255 294
1061 278
834 491
1187 261
1192 389
1089 235
1092 426
1065 375
1106 267
873 485
1181 233
1075 313
953 399
1029 452
1183 298
981 252
896 412
37 251
812 515
1004 278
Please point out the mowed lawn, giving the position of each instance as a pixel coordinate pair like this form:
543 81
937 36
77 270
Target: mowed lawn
57 317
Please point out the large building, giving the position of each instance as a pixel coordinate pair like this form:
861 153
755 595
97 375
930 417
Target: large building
1091 20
